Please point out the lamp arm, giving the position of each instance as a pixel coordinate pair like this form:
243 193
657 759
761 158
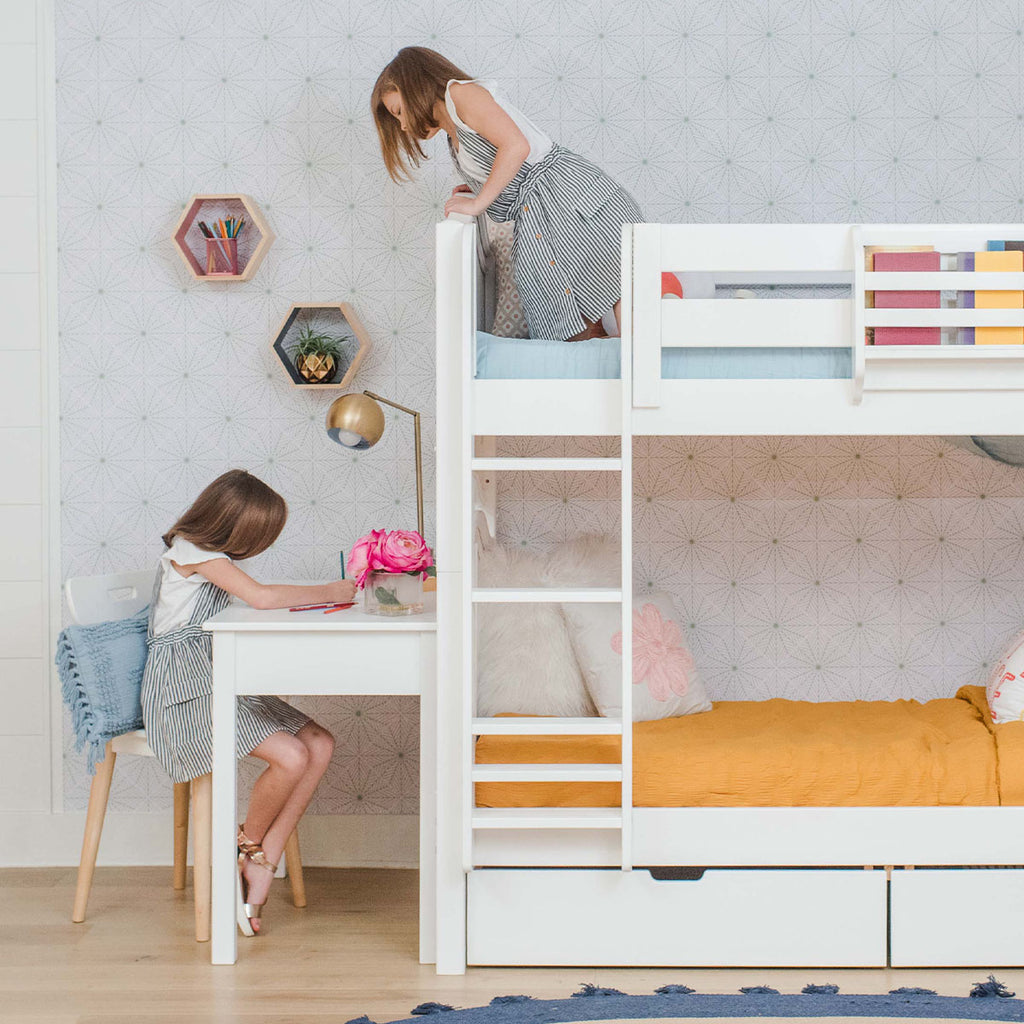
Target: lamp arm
419 452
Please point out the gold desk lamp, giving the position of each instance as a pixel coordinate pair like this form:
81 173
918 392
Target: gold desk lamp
356 421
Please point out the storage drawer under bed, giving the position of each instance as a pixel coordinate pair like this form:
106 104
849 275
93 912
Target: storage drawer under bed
725 917
957 917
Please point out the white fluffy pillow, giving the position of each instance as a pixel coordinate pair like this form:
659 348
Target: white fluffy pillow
525 659
665 681
1005 689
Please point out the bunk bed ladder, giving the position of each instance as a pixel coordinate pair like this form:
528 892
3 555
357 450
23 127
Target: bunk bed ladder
481 465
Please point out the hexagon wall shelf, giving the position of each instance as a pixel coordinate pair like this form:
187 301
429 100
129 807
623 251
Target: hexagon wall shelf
253 242
335 318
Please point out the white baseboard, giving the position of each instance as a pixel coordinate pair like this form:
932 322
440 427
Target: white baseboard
337 841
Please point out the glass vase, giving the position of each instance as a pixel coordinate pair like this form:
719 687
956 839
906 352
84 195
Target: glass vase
393 593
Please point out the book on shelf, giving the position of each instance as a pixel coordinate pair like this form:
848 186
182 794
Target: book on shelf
965 298
907 259
1004 259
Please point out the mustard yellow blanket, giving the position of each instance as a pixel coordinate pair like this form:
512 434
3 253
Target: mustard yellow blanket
783 753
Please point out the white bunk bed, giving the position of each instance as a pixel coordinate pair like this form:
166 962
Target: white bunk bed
784 886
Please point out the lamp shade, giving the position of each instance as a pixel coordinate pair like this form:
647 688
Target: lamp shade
355 421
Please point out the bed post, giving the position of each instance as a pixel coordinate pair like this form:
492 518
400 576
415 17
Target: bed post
455 334
626 524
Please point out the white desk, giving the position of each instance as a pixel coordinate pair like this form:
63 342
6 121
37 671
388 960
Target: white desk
300 653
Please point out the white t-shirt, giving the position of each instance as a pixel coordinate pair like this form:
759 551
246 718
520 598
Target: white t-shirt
178 594
540 142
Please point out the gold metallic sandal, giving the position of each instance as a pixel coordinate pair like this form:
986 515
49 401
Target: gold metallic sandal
247 849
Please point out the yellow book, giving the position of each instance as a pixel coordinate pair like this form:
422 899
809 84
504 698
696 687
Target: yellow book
999 261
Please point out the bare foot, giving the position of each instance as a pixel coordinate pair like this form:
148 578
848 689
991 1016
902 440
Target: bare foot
592 330
258 886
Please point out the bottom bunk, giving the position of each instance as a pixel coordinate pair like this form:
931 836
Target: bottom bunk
765 834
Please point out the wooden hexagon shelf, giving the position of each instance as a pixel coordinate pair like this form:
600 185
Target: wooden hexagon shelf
252 243
334 318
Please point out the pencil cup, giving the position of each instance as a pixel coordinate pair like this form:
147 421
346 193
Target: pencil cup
221 256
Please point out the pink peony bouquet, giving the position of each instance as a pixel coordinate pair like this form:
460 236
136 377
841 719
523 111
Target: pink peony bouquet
383 551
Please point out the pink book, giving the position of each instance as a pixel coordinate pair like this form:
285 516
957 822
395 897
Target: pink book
903 261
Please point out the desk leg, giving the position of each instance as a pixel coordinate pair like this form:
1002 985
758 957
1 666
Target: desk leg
428 799
223 948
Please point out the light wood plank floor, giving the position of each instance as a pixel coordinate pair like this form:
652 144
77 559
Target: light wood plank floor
351 951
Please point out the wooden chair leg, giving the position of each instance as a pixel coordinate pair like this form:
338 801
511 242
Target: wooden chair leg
294 861
98 794
202 817
181 799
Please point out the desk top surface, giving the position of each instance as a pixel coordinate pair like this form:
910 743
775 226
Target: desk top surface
242 619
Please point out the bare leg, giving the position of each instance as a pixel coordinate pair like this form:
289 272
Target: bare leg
279 801
617 310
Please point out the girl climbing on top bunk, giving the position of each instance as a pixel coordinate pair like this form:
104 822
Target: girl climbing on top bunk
568 213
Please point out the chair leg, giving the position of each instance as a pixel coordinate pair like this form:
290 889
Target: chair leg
98 794
294 860
181 798
202 816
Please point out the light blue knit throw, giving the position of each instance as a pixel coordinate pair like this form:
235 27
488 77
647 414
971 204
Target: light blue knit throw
100 670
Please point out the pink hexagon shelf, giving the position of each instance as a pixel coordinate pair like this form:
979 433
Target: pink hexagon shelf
216 261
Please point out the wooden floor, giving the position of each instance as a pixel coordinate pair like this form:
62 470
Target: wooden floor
351 951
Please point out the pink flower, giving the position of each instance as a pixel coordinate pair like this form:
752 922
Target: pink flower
363 557
658 654
404 551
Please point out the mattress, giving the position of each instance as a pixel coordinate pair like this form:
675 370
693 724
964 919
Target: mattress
598 359
780 753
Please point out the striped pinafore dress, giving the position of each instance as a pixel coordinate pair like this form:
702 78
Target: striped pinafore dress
567 238
177 689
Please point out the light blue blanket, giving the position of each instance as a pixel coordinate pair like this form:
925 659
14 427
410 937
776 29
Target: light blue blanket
598 359
101 670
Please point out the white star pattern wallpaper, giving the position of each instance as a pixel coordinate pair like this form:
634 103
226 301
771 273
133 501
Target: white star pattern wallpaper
820 568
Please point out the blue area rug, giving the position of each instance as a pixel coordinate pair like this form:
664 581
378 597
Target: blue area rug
988 1000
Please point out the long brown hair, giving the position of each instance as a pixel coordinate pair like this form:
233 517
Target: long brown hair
420 76
237 514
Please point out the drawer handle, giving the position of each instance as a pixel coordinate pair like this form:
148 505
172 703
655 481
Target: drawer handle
676 874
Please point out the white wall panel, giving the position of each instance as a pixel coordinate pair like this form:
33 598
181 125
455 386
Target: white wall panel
21 461
21 543
17 79
19 299
20 389
23 697
19 168
21 620
24 774
17 21
19 241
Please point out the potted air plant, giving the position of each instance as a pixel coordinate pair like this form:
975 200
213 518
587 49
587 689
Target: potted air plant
390 567
317 356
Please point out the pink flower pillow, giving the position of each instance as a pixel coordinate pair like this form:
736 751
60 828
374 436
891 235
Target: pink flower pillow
665 680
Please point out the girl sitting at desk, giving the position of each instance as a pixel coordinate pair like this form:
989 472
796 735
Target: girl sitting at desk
235 517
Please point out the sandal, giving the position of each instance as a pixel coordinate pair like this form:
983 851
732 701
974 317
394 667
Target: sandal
246 911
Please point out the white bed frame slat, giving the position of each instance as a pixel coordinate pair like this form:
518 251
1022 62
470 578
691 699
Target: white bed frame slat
753 323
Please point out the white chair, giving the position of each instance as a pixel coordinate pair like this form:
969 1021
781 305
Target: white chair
117 596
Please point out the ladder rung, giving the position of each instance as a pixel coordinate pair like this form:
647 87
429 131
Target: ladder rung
547 726
546 595
542 465
547 817
547 773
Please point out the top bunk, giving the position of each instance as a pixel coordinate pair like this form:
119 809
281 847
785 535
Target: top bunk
760 329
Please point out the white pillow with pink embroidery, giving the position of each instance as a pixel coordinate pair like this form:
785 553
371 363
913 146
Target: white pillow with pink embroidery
1005 689
665 680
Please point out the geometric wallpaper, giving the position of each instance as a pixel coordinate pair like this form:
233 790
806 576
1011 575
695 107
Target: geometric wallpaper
722 110
814 568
